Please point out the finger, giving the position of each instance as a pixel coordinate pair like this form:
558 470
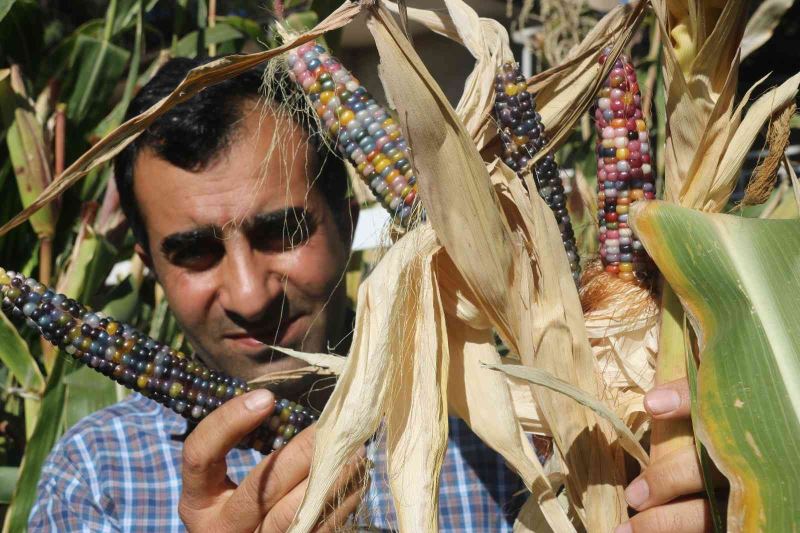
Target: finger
204 470
281 516
674 475
271 480
670 400
687 516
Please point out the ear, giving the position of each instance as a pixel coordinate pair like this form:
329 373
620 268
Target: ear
145 257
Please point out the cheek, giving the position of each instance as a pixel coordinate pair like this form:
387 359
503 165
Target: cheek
189 296
316 268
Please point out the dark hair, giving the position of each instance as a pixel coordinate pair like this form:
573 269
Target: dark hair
194 133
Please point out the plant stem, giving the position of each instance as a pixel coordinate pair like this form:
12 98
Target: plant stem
46 241
669 435
212 21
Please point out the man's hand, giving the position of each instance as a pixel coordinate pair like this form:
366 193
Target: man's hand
269 496
666 493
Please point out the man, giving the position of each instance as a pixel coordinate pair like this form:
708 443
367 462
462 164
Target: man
243 218
242 215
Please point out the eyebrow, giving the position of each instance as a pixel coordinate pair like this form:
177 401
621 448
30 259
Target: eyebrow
274 218
181 240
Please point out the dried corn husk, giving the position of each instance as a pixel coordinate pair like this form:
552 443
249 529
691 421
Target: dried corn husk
707 139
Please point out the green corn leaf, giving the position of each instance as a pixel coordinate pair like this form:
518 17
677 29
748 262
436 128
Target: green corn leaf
221 33
48 428
114 119
127 11
739 281
706 465
28 151
86 392
15 355
96 65
248 27
5 7
8 479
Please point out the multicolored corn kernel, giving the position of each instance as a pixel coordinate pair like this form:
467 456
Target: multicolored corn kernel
624 170
362 130
138 362
523 135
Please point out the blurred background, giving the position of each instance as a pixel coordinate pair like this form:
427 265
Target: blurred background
67 72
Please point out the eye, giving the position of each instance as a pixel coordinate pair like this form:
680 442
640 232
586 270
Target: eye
198 257
282 235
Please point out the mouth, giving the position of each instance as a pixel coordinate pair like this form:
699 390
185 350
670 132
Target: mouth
286 333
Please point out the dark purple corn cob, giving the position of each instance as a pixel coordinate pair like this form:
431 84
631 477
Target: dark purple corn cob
523 135
138 362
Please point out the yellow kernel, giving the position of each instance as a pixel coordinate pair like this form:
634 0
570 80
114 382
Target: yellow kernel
392 176
622 153
511 89
314 88
625 267
325 97
626 276
381 165
346 117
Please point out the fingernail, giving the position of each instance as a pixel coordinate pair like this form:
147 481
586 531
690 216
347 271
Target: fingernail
662 401
624 527
637 493
258 400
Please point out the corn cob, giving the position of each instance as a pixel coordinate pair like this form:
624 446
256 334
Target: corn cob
362 130
523 135
624 172
138 362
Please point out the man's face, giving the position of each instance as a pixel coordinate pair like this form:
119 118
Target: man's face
248 253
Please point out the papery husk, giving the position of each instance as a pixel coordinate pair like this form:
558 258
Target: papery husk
368 387
622 321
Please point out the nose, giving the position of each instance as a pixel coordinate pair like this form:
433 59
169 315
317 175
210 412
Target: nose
251 284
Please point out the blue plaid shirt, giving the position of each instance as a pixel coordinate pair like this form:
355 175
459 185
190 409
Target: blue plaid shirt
119 470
